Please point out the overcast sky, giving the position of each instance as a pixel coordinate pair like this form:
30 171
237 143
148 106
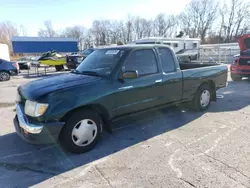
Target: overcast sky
64 13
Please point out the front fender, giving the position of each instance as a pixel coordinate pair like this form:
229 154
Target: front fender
64 101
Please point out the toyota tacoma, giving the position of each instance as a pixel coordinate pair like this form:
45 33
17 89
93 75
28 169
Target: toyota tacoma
74 108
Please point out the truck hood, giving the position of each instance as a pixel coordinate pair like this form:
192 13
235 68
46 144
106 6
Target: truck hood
38 88
244 42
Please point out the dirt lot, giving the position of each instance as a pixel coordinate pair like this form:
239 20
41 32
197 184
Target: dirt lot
173 147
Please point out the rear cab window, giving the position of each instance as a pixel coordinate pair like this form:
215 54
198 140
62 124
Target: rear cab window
167 60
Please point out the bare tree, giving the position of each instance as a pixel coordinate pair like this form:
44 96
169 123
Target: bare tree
100 32
22 30
235 19
140 26
164 25
7 31
48 31
77 32
198 18
88 41
115 31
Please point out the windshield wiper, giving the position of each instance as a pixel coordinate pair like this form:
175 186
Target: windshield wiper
76 71
90 73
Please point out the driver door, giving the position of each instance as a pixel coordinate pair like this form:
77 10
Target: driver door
138 93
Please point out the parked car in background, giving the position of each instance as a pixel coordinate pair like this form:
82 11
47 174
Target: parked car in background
24 63
8 69
74 60
241 65
34 61
111 83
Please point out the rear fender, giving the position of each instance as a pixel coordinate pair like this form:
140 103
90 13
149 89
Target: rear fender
212 87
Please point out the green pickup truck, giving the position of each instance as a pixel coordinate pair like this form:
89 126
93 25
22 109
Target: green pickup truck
74 108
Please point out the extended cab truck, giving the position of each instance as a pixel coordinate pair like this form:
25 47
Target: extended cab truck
114 82
241 65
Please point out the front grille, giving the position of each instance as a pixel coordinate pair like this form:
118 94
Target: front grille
244 62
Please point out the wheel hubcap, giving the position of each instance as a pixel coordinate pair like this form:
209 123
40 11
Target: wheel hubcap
84 132
3 76
205 98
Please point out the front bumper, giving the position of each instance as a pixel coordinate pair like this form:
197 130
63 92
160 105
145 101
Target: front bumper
36 133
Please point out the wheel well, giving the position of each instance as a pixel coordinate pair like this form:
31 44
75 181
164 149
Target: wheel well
101 110
5 71
213 89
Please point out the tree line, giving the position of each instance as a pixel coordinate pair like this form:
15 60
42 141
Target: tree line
209 20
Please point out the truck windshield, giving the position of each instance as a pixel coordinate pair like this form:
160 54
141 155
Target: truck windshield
87 51
102 61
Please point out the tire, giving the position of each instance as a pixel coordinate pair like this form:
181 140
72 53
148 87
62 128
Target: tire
4 76
74 136
202 98
236 77
59 67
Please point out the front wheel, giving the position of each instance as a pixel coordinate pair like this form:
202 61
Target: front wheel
81 131
4 76
236 77
202 98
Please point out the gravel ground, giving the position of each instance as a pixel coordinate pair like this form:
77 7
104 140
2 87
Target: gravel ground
173 147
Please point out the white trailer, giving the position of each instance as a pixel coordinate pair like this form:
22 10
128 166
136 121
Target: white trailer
177 44
4 52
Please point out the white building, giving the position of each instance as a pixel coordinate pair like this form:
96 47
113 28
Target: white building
4 52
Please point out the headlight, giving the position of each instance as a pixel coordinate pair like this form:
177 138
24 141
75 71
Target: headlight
35 109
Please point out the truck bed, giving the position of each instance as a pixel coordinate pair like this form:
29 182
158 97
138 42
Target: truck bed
185 66
195 74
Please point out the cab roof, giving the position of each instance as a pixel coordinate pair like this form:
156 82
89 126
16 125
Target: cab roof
135 46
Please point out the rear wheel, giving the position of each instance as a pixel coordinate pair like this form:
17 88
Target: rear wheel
236 77
202 98
81 131
4 76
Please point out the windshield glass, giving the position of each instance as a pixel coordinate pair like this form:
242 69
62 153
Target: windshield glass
101 61
87 51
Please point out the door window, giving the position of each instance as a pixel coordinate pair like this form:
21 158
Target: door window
144 61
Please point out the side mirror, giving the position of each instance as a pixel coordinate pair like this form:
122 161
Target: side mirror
130 74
